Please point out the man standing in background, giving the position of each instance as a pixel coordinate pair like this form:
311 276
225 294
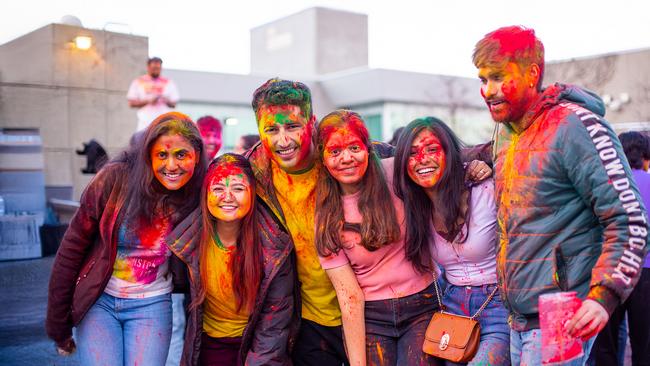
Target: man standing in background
152 94
210 129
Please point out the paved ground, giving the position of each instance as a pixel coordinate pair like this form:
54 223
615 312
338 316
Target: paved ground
23 299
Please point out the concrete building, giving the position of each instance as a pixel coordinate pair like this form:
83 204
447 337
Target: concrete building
73 95
70 95
622 79
328 50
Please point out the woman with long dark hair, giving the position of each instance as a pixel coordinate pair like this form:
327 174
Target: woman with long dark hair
452 223
386 303
241 270
113 274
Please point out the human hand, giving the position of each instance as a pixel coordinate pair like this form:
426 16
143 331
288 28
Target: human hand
66 348
590 319
478 171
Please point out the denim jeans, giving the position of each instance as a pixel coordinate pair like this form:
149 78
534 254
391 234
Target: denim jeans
178 330
526 349
395 329
494 348
126 332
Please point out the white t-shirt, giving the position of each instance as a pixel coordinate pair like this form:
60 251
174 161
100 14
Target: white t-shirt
146 87
141 268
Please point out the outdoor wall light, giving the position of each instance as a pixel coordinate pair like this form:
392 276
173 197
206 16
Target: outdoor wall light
83 42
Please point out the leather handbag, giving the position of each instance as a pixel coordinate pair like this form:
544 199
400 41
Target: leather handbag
453 337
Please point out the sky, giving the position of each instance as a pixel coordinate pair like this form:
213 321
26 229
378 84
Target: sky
425 36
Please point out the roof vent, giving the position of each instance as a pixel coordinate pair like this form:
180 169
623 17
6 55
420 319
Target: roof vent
71 20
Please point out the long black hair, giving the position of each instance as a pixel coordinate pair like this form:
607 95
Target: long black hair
418 206
147 199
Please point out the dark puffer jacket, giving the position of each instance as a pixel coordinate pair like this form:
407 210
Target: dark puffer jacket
570 217
273 324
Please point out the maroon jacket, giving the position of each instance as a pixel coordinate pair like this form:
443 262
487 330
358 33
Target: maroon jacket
85 259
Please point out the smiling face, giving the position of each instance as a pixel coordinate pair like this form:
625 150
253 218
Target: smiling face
346 159
507 90
427 159
229 194
173 160
287 136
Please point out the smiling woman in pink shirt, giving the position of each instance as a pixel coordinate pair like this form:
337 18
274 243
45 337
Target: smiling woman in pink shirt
386 302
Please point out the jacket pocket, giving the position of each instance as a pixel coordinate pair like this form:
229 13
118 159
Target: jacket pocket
560 276
85 270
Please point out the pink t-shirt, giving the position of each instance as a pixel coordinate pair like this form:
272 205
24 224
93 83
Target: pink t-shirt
472 263
384 273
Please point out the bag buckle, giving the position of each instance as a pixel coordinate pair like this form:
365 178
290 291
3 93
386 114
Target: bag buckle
444 341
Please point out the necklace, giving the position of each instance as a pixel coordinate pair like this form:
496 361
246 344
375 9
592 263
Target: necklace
217 241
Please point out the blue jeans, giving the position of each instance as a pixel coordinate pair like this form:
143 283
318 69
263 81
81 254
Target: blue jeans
126 332
526 349
395 329
494 348
178 330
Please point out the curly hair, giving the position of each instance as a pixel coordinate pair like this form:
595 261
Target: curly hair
282 92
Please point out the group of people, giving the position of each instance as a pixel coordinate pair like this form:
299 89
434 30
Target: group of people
318 246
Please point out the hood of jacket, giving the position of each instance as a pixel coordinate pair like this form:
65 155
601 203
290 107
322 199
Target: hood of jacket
560 93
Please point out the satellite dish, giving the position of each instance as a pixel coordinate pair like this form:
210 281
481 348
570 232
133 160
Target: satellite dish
71 20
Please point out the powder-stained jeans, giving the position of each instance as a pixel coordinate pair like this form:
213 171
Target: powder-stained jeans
526 349
126 332
395 329
494 348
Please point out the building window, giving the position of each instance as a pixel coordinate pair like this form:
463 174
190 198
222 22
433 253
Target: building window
373 122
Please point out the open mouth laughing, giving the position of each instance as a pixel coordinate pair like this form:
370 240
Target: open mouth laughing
286 152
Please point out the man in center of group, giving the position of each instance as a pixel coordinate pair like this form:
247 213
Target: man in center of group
286 168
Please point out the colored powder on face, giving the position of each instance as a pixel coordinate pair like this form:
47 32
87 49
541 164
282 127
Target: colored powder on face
306 142
225 169
278 116
353 125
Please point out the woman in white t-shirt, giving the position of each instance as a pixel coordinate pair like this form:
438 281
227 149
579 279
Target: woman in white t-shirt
113 274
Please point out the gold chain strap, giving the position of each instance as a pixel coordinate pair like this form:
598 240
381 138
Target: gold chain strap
478 312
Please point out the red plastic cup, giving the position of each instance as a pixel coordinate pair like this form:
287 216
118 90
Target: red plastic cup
555 310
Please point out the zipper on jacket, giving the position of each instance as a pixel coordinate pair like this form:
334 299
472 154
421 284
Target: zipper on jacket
505 202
